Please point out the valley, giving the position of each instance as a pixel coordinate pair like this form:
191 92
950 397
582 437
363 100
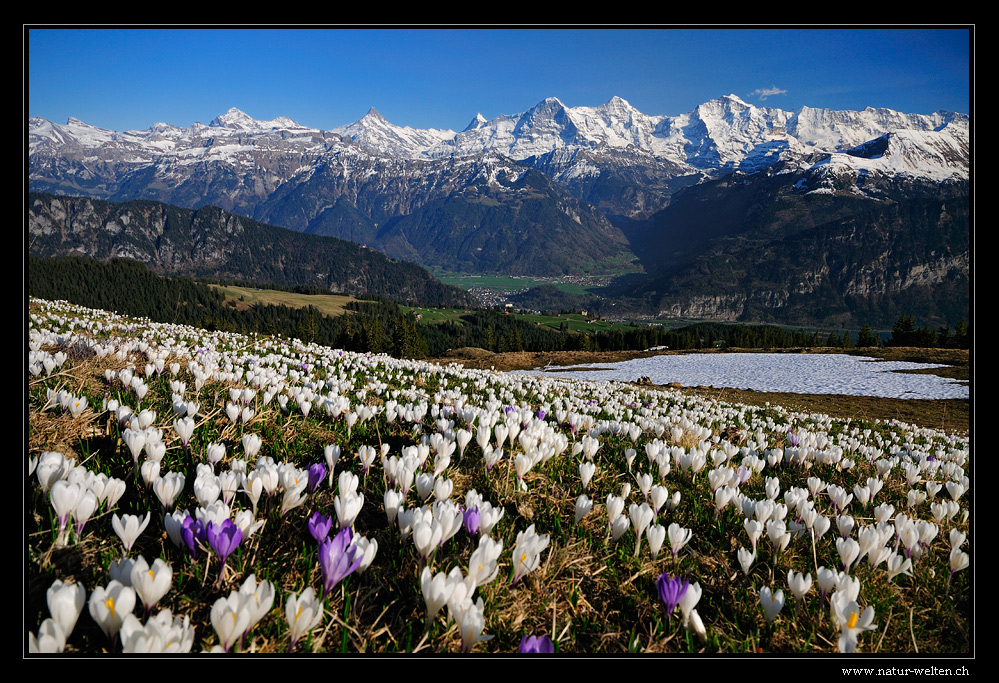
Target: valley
729 212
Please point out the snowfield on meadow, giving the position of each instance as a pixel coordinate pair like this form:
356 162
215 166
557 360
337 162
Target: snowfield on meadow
777 372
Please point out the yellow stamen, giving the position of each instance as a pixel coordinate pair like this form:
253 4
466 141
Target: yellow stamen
109 603
853 620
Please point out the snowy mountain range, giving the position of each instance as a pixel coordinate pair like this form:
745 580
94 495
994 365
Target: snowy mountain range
725 134
606 184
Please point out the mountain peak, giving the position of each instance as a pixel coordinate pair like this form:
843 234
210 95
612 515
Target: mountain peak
375 115
478 121
549 103
736 99
234 118
160 127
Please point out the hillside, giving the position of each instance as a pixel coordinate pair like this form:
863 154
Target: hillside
210 242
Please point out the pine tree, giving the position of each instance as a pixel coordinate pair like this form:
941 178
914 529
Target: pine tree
962 338
903 332
866 337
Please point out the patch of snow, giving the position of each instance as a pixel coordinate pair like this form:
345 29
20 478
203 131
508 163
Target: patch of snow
777 372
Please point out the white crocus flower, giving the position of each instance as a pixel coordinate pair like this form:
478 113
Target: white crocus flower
304 612
51 638
745 560
472 622
690 598
66 601
656 534
527 552
230 619
641 516
151 583
852 622
129 528
436 591
799 585
162 634
185 429
678 537
257 598
583 507
109 605
772 602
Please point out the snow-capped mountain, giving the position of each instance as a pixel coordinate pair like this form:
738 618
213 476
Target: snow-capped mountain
933 155
722 135
726 133
551 190
235 119
374 132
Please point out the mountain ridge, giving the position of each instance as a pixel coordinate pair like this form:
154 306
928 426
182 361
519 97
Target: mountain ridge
607 177
210 242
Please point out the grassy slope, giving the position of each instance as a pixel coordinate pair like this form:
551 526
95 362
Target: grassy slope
328 304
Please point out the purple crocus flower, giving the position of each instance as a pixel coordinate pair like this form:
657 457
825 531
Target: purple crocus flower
470 518
320 526
192 531
792 439
671 591
223 539
541 415
338 559
317 472
536 644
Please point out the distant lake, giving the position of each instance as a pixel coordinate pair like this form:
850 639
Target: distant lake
777 372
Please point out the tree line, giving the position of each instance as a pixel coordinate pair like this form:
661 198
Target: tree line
378 324
905 333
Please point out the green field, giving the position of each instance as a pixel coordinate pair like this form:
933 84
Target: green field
433 316
328 304
574 322
507 283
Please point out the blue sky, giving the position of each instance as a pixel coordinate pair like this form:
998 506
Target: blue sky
440 78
